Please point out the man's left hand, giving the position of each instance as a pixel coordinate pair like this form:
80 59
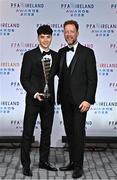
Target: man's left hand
84 106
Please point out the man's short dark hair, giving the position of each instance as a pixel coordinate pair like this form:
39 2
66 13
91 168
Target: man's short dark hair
71 22
44 29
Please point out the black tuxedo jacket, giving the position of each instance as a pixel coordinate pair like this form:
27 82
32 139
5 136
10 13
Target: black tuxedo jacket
32 76
83 75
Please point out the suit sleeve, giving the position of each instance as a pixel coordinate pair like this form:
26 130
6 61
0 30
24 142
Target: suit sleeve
25 75
91 73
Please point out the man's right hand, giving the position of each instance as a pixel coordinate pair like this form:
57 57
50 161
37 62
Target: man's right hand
40 97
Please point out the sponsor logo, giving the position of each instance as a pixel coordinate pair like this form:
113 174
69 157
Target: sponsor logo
103 107
7 29
102 30
17 86
27 9
18 124
22 47
7 68
77 10
7 107
89 45
106 69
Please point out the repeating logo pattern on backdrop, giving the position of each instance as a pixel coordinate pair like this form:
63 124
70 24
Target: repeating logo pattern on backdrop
18 25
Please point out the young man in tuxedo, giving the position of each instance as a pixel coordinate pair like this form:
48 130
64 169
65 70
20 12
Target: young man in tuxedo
76 93
33 81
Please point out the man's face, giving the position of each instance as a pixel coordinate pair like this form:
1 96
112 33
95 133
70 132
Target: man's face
45 40
70 34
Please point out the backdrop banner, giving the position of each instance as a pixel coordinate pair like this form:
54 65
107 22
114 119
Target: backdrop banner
19 21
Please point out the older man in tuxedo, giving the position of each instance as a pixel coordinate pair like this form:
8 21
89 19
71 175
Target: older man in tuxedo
76 93
37 78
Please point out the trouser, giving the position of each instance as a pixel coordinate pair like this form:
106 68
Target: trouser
46 111
74 123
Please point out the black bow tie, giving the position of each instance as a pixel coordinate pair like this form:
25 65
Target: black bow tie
70 49
44 53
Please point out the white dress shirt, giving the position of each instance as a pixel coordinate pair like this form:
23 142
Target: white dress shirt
70 54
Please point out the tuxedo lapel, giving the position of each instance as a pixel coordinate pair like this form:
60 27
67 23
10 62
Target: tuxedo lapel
53 63
38 63
75 58
63 58
38 54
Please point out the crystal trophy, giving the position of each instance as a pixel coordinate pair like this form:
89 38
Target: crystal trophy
46 70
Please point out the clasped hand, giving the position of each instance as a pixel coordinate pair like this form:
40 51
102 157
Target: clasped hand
40 97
